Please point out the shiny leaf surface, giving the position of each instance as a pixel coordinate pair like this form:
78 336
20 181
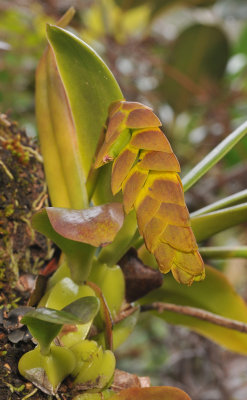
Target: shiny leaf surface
96 226
45 323
87 81
79 255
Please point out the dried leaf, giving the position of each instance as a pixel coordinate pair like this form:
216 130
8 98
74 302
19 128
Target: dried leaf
124 380
152 393
140 279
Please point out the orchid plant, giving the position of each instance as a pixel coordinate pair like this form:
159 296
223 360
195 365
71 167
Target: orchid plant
114 184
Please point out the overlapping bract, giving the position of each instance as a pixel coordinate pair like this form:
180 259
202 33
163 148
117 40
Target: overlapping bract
146 170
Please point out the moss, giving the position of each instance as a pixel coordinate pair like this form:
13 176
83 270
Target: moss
23 190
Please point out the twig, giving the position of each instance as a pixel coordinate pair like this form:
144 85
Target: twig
30 394
197 313
6 170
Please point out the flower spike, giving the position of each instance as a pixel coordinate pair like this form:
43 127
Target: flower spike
146 170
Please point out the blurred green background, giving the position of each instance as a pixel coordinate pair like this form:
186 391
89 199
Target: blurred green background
188 61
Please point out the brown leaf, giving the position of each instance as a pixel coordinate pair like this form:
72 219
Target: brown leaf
26 283
150 139
132 186
174 214
96 226
180 237
114 124
141 118
124 380
140 279
160 161
167 187
145 210
39 290
121 168
152 393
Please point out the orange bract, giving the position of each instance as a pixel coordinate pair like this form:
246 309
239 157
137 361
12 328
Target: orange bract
146 170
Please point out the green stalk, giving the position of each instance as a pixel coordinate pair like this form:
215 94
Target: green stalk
111 254
214 156
224 252
232 200
206 225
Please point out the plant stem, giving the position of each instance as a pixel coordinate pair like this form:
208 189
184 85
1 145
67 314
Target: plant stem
107 315
197 313
214 156
232 200
223 252
111 254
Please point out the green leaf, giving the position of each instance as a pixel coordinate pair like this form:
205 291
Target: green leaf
214 156
151 393
66 18
206 225
188 76
45 323
89 85
57 136
214 294
111 254
228 201
84 309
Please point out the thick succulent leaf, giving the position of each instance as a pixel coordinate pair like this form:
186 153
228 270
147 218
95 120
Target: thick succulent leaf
122 242
151 393
57 136
84 309
96 226
89 85
206 225
185 74
214 294
80 311
45 323
79 255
